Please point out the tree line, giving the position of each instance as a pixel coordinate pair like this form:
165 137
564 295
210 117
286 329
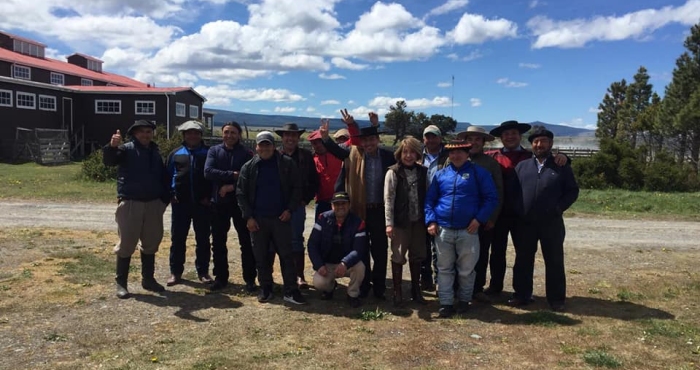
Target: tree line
646 141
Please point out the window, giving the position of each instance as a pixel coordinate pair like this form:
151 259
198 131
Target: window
94 65
47 102
22 72
5 98
85 82
108 106
194 111
145 107
26 100
180 110
27 48
57 78
110 84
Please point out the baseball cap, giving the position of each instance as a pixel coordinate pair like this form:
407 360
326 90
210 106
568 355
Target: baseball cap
264 136
432 129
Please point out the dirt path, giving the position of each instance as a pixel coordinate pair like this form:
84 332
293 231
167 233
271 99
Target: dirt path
581 232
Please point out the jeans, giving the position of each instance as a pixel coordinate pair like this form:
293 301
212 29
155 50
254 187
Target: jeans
298 220
221 223
184 214
457 254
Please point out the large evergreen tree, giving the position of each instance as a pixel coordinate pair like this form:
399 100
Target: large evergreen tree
398 119
637 99
608 114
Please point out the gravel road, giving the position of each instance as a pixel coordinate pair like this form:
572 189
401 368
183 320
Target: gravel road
581 232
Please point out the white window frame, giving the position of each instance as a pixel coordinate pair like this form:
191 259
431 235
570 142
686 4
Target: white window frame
97 106
180 113
94 65
11 101
57 76
28 70
49 98
149 112
85 82
24 94
196 107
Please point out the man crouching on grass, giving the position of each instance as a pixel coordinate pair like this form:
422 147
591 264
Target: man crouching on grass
337 245
142 190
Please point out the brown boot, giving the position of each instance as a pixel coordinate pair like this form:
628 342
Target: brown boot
397 275
416 294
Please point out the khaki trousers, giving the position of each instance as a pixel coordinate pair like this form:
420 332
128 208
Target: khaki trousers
409 240
139 221
326 283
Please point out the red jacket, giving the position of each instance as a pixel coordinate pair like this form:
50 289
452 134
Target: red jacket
328 168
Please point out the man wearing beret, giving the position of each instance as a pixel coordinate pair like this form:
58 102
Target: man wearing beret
143 195
337 246
546 191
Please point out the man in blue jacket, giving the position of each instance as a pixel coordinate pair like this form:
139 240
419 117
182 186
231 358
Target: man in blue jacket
461 198
222 168
143 195
337 245
190 199
546 191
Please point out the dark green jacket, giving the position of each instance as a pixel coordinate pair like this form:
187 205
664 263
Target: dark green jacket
248 179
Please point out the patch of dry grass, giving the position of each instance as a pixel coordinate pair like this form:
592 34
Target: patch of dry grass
58 311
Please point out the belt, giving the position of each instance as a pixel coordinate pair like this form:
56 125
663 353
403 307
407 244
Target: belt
374 205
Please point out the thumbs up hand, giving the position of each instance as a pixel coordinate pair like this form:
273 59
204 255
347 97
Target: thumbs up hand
116 139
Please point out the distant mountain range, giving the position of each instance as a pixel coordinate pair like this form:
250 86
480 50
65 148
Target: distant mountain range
269 121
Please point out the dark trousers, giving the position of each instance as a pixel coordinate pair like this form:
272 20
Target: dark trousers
426 267
275 234
497 262
550 233
184 214
221 224
375 276
485 238
322 206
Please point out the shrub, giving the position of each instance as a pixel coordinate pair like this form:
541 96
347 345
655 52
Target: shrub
631 174
93 169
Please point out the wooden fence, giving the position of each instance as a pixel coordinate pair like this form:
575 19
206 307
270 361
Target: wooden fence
44 146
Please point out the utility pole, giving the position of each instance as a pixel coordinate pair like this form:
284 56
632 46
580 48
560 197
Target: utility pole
452 98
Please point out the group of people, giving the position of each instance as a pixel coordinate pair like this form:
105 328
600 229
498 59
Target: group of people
447 209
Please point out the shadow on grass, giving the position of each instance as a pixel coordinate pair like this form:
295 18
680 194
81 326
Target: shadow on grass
187 303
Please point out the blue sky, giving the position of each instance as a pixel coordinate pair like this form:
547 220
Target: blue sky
511 59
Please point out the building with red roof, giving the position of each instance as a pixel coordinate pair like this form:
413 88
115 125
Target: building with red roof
79 96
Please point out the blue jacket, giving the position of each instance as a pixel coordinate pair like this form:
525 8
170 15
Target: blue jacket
219 168
186 172
140 173
457 196
321 239
546 194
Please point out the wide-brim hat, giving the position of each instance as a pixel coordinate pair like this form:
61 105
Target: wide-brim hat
507 125
475 130
457 144
290 127
141 123
368 131
539 133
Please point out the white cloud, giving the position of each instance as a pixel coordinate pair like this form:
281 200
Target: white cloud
447 7
330 102
310 109
578 123
362 112
593 110
224 95
529 65
475 102
475 29
535 3
346 64
285 109
473 55
444 84
579 32
508 83
351 102
333 76
421 103
264 111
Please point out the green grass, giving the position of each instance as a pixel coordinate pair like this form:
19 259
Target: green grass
376 314
84 268
638 204
601 358
30 181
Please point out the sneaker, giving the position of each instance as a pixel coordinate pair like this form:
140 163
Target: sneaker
174 280
302 284
294 297
206 279
462 307
354 302
482 297
251 287
446 311
265 294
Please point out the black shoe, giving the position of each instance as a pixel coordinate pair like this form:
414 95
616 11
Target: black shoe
354 302
427 285
152 285
517 302
462 307
251 287
265 294
327 296
294 297
557 306
364 293
493 292
380 296
446 311
218 285
122 277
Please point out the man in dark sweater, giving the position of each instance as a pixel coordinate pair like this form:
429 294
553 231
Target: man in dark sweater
190 199
143 194
337 245
222 168
546 191
268 189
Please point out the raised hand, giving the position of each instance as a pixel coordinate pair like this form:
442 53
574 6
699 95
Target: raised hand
116 139
324 129
374 118
347 118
